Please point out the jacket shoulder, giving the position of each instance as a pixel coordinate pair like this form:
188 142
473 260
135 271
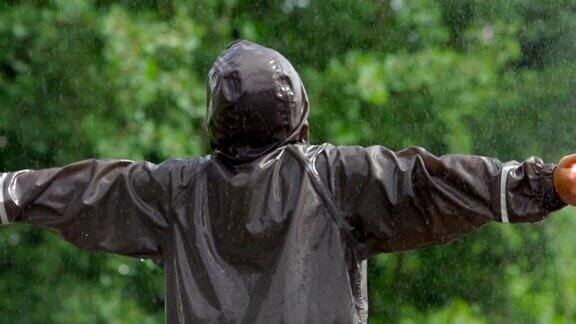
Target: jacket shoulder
186 162
181 169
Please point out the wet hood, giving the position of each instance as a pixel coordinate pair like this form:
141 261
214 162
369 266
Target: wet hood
256 103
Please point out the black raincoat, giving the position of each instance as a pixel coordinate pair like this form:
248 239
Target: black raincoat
271 229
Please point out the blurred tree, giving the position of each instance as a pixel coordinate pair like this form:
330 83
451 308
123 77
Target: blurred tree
81 78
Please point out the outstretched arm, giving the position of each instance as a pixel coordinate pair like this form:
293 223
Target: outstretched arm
409 199
116 206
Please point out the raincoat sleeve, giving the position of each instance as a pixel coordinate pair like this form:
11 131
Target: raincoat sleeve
409 199
115 206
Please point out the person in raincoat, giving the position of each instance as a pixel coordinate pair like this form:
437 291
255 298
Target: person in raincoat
272 229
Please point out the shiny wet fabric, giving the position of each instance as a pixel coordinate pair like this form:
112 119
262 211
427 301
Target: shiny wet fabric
272 229
256 103
257 243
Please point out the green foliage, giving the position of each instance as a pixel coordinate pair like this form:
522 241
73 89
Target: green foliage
126 79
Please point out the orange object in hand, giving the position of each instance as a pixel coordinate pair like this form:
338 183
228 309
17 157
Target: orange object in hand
565 179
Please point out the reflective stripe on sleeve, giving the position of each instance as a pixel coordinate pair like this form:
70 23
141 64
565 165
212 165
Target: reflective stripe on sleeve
503 191
3 215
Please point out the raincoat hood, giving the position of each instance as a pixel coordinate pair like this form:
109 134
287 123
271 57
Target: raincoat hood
256 103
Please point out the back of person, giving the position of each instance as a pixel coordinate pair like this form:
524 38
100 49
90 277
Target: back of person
260 246
271 229
257 245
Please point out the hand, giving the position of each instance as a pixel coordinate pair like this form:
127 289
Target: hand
565 179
